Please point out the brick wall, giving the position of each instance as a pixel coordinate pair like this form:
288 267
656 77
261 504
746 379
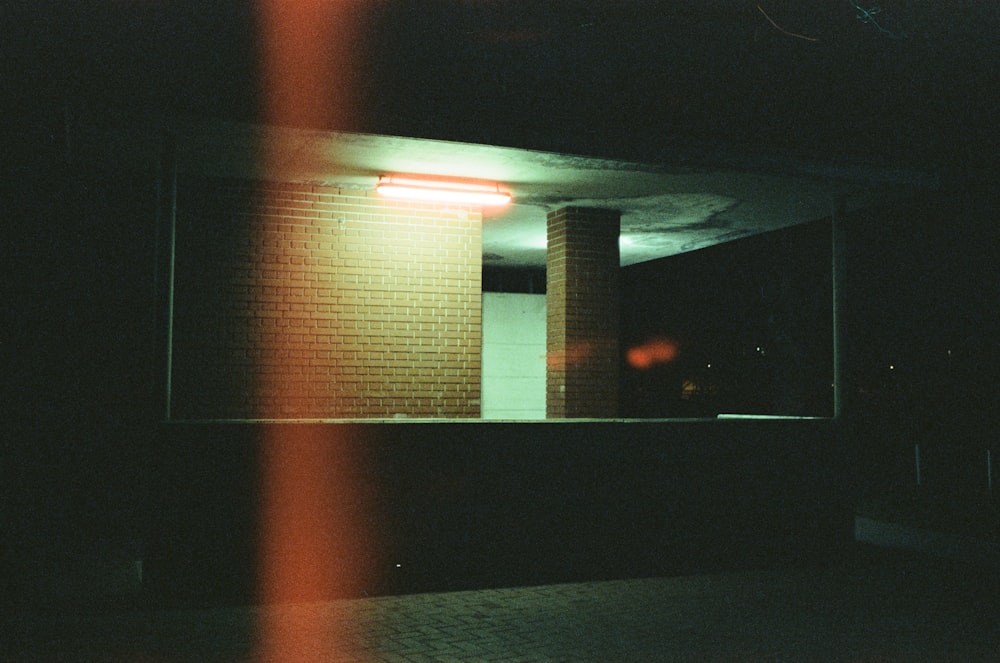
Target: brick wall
298 301
583 299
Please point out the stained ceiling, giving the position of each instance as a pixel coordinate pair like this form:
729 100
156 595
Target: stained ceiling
666 209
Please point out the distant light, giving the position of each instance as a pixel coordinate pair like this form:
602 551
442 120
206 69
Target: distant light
709 366
892 367
443 191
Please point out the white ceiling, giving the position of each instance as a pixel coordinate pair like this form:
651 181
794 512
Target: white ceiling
666 209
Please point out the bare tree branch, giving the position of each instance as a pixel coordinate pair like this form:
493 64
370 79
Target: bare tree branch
782 30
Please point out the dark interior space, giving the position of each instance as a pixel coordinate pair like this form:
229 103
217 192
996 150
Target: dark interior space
528 280
749 320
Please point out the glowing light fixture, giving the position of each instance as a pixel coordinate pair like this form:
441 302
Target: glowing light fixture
468 192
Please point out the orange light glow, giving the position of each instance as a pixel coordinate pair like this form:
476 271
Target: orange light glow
688 390
312 538
311 62
460 191
311 544
572 354
654 351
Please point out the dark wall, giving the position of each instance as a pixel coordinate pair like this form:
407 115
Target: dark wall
462 505
77 342
921 337
924 339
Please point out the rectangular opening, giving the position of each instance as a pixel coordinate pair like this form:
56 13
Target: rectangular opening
741 328
361 309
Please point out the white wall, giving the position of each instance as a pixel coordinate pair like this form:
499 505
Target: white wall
513 356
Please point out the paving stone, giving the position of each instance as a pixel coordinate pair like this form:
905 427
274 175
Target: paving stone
916 611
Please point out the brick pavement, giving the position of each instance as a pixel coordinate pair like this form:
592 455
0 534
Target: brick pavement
912 611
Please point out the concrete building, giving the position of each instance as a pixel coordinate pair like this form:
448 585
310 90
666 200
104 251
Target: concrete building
297 292
322 370
240 374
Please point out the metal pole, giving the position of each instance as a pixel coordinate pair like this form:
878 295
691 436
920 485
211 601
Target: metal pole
989 471
837 280
170 171
67 130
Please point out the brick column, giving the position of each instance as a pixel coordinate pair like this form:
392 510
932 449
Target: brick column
583 300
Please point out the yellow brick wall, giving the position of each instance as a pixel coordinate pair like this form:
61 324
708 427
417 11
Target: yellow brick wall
301 301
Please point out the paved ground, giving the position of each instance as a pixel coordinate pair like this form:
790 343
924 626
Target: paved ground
869 608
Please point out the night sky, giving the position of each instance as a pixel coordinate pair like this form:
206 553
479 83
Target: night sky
914 89
750 321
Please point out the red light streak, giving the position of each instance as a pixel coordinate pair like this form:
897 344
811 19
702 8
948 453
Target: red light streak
650 353
311 542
